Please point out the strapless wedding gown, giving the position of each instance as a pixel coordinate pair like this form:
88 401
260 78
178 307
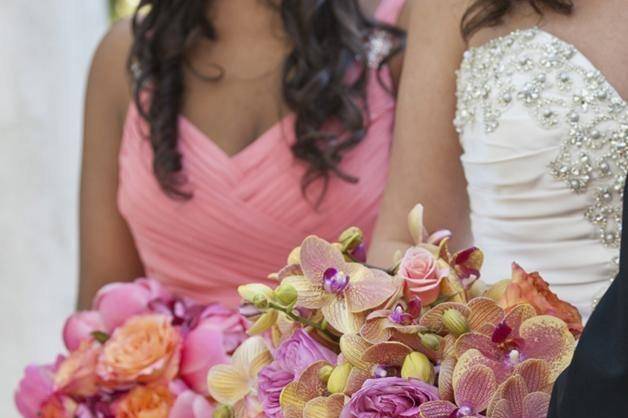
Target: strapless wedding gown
545 140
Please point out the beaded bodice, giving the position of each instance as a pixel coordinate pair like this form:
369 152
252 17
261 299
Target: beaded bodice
532 103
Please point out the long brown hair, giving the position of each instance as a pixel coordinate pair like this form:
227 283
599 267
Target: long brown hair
485 13
328 37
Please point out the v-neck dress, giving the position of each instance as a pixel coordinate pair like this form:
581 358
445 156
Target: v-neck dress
247 211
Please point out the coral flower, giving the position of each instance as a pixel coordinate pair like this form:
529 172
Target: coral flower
343 291
144 349
145 401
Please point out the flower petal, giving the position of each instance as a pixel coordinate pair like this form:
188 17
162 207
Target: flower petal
324 407
475 388
484 311
390 353
445 377
471 358
518 315
501 410
309 295
548 338
339 316
536 405
536 374
514 391
433 319
227 384
317 255
479 342
356 379
368 288
376 330
353 347
437 409
296 394
252 356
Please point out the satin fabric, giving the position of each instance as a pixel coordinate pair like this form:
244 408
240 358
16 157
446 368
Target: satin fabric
247 212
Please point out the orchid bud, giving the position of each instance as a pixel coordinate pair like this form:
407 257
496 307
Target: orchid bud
338 379
455 322
250 292
417 366
325 372
430 341
497 291
264 323
351 238
286 294
295 256
223 411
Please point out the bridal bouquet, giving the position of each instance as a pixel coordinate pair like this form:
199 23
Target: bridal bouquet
139 353
337 338
334 338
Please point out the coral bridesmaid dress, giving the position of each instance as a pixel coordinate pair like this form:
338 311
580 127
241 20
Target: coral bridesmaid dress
247 211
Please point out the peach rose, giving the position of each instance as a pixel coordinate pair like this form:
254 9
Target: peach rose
422 274
76 375
532 289
145 402
144 349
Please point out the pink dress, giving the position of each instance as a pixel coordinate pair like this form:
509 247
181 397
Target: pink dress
247 211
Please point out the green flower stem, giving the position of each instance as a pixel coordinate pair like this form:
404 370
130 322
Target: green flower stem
302 320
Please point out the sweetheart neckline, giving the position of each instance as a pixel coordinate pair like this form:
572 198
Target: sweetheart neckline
553 37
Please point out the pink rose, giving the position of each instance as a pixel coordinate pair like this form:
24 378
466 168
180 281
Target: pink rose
191 405
76 375
218 334
422 275
80 326
116 302
35 388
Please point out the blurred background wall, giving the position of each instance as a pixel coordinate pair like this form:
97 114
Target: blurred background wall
45 49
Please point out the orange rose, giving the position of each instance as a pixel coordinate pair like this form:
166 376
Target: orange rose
76 375
144 349
145 402
532 289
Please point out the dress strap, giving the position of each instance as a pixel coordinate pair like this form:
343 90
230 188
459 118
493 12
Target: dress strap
388 11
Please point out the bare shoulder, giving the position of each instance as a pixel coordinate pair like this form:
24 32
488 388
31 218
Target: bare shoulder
108 74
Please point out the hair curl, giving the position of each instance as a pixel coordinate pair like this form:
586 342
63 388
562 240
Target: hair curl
486 13
329 38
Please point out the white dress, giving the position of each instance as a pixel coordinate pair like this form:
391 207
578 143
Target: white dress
545 139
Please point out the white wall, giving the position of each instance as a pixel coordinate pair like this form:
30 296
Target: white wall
45 47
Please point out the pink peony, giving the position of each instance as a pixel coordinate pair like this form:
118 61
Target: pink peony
80 326
270 382
218 333
35 388
422 275
191 405
116 302
389 397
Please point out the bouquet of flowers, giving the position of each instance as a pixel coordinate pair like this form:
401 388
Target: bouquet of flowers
140 352
337 338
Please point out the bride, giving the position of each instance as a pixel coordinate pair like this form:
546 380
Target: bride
521 127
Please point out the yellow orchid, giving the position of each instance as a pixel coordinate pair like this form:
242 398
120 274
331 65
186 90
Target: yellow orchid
231 384
343 291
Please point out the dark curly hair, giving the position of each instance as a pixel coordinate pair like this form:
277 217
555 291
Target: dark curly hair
328 36
483 13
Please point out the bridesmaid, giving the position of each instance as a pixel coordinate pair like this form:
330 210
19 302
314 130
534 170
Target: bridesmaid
250 125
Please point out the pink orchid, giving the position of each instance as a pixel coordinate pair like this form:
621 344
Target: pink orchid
342 290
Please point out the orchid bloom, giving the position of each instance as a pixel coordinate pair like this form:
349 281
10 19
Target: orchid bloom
232 384
472 393
403 317
525 394
520 336
308 397
343 291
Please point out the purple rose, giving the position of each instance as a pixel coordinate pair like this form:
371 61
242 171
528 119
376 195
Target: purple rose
300 350
270 382
291 358
389 397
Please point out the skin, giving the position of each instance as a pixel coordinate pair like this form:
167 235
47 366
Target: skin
425 164
249 93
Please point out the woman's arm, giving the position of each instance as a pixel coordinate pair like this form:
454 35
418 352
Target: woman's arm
425 166
107 251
